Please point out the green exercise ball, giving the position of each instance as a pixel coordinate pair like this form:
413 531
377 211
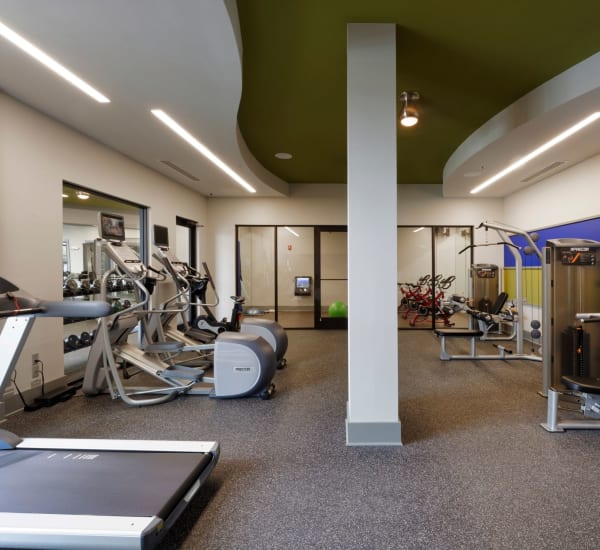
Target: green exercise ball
338 309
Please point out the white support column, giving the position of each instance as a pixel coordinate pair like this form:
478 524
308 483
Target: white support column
372 415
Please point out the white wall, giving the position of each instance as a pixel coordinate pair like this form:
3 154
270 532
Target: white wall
36 155
568 196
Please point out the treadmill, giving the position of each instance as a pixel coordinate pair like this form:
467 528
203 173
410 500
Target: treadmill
87 493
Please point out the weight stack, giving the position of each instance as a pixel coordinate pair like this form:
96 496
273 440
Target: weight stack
575 352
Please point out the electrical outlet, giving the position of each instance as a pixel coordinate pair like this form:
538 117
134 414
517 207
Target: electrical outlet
35 365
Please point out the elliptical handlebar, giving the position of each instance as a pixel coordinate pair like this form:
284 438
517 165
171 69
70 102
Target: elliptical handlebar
212 285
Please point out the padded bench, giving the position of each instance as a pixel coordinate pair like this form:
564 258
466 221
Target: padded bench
444 333
458 332
583 384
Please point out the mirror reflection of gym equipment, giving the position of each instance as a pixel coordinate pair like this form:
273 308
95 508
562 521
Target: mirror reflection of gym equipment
81 277
572 310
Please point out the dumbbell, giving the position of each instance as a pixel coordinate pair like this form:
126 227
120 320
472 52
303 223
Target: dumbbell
72 342
85 338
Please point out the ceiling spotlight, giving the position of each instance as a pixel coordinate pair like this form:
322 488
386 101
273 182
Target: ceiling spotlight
83 196
409 115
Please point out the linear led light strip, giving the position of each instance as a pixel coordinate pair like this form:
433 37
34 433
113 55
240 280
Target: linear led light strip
184 134
52 64
541 149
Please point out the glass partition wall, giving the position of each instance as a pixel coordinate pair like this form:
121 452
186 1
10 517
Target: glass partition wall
297 275
432 266
256 273
275 273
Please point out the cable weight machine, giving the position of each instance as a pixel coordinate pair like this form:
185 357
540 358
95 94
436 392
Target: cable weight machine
504 231
572 311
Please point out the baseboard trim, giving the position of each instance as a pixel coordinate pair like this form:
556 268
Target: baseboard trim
373 433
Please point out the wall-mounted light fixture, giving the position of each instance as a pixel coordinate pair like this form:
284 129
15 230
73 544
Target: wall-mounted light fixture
409 115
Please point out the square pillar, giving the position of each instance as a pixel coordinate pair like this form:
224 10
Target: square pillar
372 412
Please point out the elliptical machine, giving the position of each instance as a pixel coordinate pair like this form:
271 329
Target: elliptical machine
207 321
240 365
190 281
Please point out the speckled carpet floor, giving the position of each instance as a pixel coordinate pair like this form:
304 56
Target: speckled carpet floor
476 470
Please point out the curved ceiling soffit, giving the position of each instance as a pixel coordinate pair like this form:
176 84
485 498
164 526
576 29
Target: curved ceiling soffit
521 127
270 180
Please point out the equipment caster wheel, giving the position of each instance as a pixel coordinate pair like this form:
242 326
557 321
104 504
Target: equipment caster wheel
267 392
282 364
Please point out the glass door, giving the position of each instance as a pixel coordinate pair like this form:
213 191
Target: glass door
331 277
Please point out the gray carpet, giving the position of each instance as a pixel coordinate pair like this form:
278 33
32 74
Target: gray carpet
476 470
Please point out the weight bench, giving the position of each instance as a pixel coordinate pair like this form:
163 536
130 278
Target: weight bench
586 391
444 333
473 335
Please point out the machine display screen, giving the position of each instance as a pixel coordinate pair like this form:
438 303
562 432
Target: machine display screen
486 273
578 256
112 227
161 236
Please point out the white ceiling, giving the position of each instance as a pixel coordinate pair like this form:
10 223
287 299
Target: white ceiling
180 57
524 126
184 57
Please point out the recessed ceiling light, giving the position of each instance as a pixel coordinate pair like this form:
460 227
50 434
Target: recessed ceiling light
536 152
202 149
283 156
52 64
82 195
65 196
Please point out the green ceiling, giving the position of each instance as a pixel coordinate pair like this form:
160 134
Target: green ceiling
468 58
